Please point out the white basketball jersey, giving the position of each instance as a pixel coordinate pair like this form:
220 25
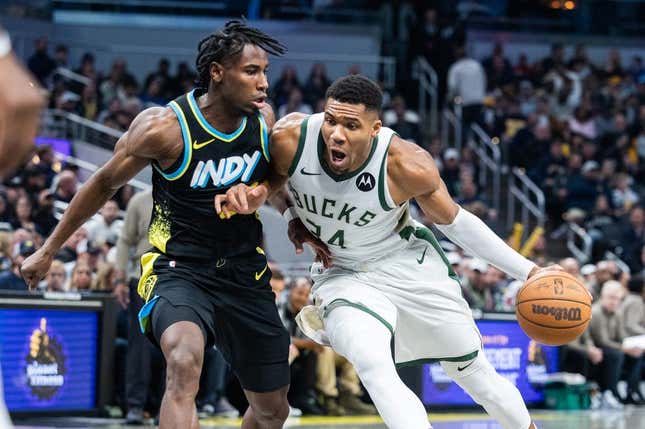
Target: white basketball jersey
352 213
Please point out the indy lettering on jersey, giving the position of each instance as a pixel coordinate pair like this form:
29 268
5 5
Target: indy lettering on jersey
227 170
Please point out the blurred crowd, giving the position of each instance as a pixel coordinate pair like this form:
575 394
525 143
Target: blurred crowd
576 128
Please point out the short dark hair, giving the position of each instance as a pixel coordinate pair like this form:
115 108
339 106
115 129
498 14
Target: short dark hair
635 284
228 43
356 89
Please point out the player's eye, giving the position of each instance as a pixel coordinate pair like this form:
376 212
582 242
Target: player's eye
330 121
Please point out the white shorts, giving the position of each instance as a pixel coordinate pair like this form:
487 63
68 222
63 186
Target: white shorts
413 292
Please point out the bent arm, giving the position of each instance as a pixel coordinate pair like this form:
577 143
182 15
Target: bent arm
413 174
132 153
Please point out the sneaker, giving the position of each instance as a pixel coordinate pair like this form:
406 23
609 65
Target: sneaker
610 402
355 406
205 411
596 401
134 416
294 412
223 408
308 406
331 406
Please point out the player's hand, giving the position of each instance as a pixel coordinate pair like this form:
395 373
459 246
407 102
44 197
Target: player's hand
537 269
35 267
595 355
299 234
121 293
242 199
293 353
634 352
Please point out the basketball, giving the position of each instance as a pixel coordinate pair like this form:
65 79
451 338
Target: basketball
553 308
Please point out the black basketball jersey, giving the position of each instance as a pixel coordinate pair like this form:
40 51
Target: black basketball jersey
184 223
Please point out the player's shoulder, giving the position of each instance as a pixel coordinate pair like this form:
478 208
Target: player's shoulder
290 123
152 132
408 162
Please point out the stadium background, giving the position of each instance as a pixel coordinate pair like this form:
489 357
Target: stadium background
551 154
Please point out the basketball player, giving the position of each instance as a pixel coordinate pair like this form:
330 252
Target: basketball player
206 280
351 181
20 105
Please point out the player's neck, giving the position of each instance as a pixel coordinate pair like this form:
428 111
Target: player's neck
218 112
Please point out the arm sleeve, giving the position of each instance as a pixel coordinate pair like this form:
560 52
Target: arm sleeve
471 234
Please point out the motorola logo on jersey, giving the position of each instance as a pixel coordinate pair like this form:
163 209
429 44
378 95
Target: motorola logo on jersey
227 170
365 182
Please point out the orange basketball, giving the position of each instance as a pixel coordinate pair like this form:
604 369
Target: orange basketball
553 307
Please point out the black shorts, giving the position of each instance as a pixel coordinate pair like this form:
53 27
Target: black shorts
232 303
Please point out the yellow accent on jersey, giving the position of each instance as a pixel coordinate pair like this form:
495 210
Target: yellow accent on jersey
148 277
159 231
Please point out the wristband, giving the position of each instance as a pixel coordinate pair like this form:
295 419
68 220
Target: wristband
5 43
290 214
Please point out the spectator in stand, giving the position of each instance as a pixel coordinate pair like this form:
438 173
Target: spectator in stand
402 120
633 307
89 103
583 188
582 122
40 63
474 288
153 95
24 214
451 172
623 197
467 82
607 332
303 368
316 85
46 159
12 279
614 66
87 67
44 214
633 237
529 145
294 104
81 279
499 72
523 69
112 86
61 56
162 76
56 277
282 88
68 102
182 81
467 193
66 186
69 252
554 59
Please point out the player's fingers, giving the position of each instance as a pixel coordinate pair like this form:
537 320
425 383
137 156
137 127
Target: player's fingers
259 192
219 200
244 204
297 243
232 199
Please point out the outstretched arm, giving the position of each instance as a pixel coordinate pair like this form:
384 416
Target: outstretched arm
412 173
134 150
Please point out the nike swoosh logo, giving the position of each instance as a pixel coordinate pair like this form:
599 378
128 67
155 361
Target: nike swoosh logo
420 261
306 173
461 368
197 146
259 276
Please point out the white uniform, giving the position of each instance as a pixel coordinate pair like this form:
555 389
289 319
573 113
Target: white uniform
384 263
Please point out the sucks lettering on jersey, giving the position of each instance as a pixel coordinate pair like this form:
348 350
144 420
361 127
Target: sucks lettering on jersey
226 171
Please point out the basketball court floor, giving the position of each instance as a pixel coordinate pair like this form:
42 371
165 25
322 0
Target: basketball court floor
630 418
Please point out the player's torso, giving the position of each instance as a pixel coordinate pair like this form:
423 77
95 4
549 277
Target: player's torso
184 223
353 213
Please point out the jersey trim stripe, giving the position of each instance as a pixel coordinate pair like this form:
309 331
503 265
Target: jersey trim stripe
301 146
188 151
208 127
344 176
382 180
264 138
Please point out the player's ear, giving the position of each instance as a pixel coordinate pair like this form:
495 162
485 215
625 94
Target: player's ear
376 127
216 71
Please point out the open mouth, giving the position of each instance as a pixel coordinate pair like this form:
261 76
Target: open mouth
337 156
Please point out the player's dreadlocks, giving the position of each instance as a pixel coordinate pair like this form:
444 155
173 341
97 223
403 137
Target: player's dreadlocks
229 42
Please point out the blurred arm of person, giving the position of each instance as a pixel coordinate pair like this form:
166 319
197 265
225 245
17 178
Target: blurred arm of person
153 135
21 100
127 240
584 344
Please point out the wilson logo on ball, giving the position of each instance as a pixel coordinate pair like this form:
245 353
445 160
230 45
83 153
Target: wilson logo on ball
559 313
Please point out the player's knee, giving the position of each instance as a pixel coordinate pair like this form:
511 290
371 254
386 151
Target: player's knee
270 408
183 371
